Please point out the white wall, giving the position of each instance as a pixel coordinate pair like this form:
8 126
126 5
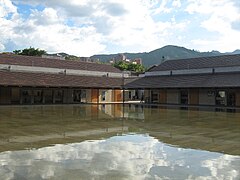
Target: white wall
108 95
173 97
205 98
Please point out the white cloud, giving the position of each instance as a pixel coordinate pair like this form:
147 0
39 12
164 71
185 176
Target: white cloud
219 18
88 27
6 7
128 25
8 17
46 30
48 16
2 47
177 3
163 8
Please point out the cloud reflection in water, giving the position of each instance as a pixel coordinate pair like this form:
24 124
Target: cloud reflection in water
134 156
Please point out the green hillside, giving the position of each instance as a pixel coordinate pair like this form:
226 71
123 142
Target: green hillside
157 56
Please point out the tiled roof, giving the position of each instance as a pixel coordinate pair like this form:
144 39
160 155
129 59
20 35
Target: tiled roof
201 62
57 80
187 81
55 63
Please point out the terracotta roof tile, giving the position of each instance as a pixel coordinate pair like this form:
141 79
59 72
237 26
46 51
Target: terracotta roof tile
201 62
187 81
57 80
55 63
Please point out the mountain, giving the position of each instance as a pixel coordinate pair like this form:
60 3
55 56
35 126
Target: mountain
236 51
165 53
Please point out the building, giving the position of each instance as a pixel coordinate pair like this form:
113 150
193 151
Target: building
53 56
120 57
36 80
137 61
208 81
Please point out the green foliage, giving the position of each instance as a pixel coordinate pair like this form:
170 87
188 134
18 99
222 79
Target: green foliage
125 66
30 52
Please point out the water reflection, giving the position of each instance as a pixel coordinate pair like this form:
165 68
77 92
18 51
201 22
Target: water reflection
122 157
107 142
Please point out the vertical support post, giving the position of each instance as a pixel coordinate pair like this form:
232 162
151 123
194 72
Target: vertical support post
43 96
32 96
21 95
123 88
123 98
53 94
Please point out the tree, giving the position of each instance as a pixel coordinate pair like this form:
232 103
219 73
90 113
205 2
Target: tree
126 66
30 52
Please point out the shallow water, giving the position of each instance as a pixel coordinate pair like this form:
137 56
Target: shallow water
109 142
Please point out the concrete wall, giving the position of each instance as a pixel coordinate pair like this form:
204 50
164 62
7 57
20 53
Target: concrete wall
88 95
60 70
108 95
206 98
173 97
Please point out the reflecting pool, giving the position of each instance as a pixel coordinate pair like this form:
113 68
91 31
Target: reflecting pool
112 142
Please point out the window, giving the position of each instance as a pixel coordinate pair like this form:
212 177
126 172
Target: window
77 95
103 95
154 96
184 97
129 94
38 96
58 96
221 98
231 100
83 96
26 96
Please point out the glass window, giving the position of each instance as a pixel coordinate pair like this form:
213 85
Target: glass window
103 95
129 94
221 98
184 97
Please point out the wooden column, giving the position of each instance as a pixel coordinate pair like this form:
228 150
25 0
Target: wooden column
162 96
193 97
117 95
95 96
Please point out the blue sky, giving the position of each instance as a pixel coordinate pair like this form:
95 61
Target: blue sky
88 27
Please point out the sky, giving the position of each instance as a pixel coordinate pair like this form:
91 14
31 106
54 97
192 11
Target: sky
88 27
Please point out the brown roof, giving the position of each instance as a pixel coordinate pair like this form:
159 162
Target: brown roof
55 63
201 62
57 80
187 81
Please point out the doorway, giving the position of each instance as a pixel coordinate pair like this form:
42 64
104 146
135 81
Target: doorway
231 99
184 97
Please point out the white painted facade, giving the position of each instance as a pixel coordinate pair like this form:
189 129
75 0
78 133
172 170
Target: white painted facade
37 69
195 71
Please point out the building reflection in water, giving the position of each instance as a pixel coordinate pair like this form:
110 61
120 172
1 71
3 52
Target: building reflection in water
119 157
105 141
